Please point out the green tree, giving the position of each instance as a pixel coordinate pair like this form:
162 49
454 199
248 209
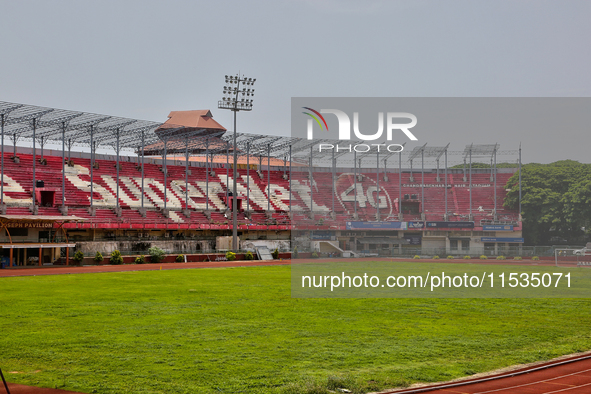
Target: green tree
577 206
555 201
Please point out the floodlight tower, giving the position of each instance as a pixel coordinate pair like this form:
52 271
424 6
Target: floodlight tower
231 101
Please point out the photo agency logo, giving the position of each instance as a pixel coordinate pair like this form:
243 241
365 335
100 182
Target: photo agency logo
391 119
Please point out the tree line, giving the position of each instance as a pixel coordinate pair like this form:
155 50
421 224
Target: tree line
556 202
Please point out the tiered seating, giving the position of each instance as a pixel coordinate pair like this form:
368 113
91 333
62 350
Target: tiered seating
212 196
483 203
458 193
17 211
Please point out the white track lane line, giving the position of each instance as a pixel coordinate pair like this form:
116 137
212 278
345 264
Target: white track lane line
529 384
569 388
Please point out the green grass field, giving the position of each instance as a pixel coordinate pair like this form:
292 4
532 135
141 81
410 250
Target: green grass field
237 330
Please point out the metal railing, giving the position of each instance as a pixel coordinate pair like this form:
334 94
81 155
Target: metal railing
442 253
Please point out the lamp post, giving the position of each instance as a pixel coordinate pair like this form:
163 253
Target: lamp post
234 103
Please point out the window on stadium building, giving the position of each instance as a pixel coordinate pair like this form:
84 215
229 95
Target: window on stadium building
453 244
465 244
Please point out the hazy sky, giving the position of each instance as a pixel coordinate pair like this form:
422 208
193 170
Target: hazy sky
144 58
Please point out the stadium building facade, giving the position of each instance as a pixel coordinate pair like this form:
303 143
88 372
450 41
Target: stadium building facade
170 185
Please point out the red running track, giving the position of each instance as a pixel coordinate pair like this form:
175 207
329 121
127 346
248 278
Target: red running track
58 270
62 270
22 389
564 376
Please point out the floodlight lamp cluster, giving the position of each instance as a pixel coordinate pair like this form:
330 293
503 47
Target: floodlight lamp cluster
236 97
236 79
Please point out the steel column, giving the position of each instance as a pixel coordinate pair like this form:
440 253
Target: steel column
269 177
423 182
378 184
235 245
446 211
400 214
187 172
63 165
355 180
248 176
495 167
311 182
470 175
165 173
333 182
34 166
290 182
438 169
206 175
117 170
2 161
228 177
143 162
519 218
91 167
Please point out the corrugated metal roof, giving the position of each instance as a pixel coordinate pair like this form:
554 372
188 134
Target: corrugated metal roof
43 218
21 245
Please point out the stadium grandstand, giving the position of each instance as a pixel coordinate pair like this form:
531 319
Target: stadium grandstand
170 184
